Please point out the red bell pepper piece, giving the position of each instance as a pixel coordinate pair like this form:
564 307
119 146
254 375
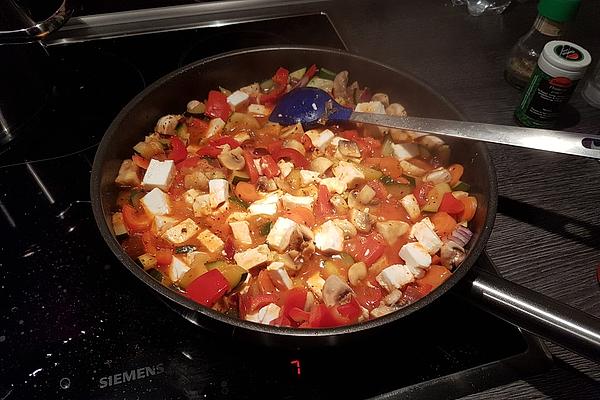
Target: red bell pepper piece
251 303
178 150
323 207
252 171
281 76
451 204
190 162
208 288
312 70
280 79
225 140
350 310
421 191
368 296
134 220
217 105
209 151
269 166
293 155
323 317
366 248
293 298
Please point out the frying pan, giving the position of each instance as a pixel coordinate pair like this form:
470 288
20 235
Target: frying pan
170 94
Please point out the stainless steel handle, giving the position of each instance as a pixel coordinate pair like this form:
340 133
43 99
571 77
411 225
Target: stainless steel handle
17 27
536 313
538 139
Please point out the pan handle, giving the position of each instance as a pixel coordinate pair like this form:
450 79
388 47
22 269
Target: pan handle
541 315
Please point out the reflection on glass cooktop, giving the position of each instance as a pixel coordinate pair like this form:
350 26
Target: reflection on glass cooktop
75 324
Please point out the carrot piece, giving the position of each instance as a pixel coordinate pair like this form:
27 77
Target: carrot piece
456 172
443 222
391 167
470 204
435 276
301 215
246 191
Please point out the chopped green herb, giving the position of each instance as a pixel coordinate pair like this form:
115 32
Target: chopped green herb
265 229
188 248
387 180
238 201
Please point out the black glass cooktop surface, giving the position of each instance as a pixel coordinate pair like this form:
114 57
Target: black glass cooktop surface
75 324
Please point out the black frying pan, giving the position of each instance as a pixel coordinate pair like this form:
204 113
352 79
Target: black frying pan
543 316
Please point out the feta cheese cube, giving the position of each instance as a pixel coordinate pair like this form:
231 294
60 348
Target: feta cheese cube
265 206
161 223
405 151
215 126
394 277
348 173
320 139
285 167
279 275
118 224
159 174
315 284
253 257
128 174
177 269
291 201
265 315
410 204
258 109
415 255
190 196
219 192
307 177
212 242
241 231
237 99
201 205
182 232
374 107
424 232
156 202
334 185
329 238
281 233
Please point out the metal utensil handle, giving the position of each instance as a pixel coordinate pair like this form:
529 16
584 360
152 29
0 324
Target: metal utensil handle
538 139
536 313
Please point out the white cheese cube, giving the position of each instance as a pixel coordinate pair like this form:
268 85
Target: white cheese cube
348 173
394 277
118 224
307 177
281 233
128 174
190 196
320 139
162 223
424 232
241 231
156 202
201 205
238 216
334 185
177 269
315 284
252 89
215 126
374 107
237 99
182 232
253 257
410 204
415 255
278 274
329 238
219 192
265 315
159 174
405 151
212 242
265 206
291 201
258 109
285 167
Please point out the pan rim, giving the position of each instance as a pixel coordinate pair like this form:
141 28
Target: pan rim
457 275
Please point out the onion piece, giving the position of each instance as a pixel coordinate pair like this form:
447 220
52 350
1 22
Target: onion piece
461 235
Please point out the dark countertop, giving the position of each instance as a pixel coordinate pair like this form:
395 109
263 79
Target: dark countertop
547 229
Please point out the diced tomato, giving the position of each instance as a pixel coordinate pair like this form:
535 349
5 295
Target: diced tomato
451 204
188 163
140 161
412 293
391 166
368 296
379 188
217 106
164 257
350 310
178 150
134 220
208 288
293 155
196 129
298 315
367 249
209 151
366 144
265 283
225 140
281 76
421 191
323 208
253 303
443 222
252 171
293 298
281 321
269 166
229 248
424 288
322 316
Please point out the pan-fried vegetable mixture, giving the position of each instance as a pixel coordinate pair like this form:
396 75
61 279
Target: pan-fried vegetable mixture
282 226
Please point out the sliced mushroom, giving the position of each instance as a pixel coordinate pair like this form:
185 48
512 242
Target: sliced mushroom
366 194
167 124
336 291
340 83
321 164
232 159
451 254
411 169
357 272
381 97
296 145
195 107
392 297
347 227
265 184
361 220
349 148
431 142
196 180
396 109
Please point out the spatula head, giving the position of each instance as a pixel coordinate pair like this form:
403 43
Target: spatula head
309 106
